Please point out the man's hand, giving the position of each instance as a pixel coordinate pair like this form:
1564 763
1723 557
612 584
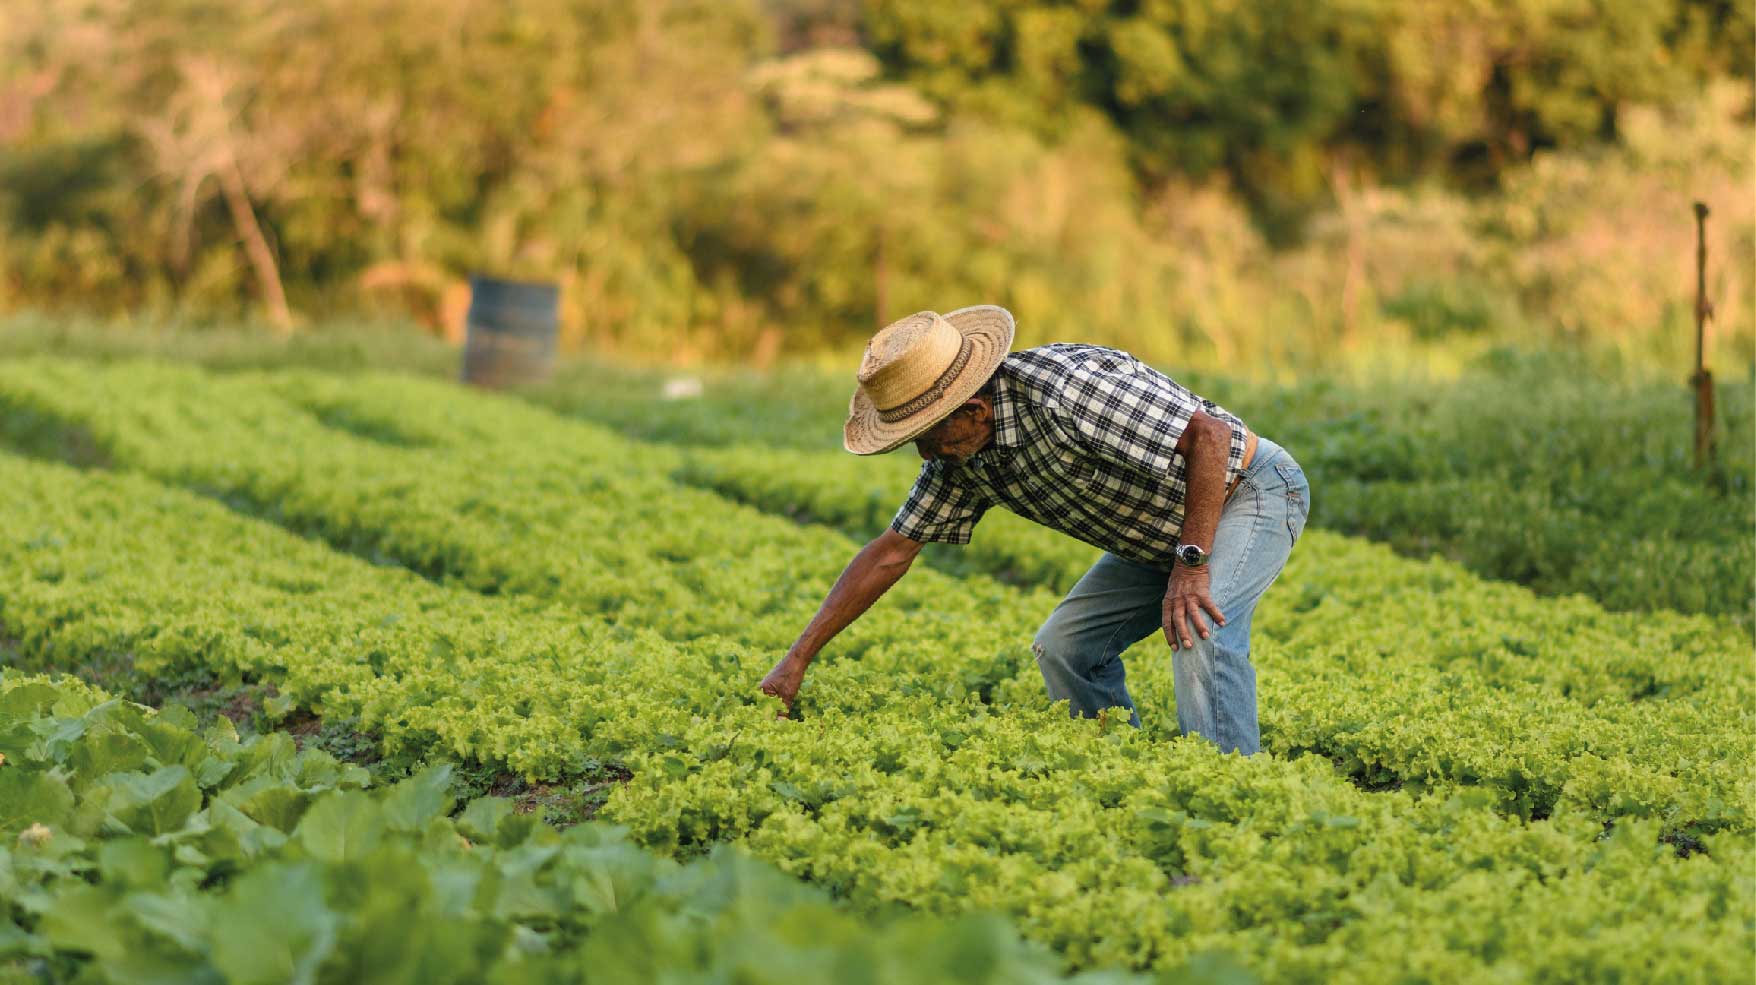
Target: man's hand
869 575
783 682
1186 597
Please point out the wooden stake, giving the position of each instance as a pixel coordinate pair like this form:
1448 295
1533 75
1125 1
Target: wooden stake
1702 380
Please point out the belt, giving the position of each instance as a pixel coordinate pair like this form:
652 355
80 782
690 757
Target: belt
1249 453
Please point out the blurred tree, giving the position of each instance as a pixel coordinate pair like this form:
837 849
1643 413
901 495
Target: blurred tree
375 141
195 139
1266 91
736 179
801 24
817 214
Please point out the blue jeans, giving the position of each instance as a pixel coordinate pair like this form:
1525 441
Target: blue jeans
1120 602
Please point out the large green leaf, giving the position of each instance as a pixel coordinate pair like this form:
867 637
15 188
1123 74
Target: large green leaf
270 755
178 918
153 803
58 735
107 748
18 741
81 920
611 876
273 927
456 884
269 801
28 797
133 862
417 800
482 818
172 738
232 834
341 826
28 700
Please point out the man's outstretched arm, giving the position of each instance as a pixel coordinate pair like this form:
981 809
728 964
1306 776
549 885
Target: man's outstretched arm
869 575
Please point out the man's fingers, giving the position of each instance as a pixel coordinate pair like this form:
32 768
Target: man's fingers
786 704
1176 626
1195 618
1219 617
1183 619
1206 602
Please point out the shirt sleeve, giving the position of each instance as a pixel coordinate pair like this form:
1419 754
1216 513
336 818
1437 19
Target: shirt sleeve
938 510
1128 413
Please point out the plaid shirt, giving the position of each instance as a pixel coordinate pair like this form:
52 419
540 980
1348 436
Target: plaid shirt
1085 443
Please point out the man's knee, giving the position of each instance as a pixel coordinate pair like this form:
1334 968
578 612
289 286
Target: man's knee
1061 674
1061 657
1040 649
1051 647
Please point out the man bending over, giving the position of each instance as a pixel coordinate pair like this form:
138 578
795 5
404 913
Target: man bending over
1195 513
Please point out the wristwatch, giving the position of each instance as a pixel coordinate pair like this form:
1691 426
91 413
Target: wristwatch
1191 555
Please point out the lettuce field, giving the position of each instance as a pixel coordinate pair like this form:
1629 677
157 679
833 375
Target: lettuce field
321 676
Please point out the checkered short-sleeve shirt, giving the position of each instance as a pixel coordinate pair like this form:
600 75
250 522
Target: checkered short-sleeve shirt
1084 442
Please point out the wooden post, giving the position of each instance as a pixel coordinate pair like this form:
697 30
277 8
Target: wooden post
1702 380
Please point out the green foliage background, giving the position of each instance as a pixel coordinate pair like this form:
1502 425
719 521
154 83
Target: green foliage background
1222 184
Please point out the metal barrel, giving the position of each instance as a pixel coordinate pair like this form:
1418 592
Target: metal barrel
511 332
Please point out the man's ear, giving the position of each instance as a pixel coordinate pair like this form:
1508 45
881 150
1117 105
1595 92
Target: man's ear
979 408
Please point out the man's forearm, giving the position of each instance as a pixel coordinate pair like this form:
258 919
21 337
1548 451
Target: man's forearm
868 576
1206 494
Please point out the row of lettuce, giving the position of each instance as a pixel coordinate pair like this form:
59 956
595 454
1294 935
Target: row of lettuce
928 769
1553 470
1542 471
136 847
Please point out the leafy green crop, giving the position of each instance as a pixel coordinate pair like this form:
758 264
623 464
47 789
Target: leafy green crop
135 849
527 516
1544 769
1533 469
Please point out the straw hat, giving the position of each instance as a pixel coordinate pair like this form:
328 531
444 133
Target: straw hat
918 370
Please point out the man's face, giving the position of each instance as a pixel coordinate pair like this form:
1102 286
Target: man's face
967 431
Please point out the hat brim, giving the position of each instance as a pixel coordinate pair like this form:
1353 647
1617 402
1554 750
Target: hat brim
989 329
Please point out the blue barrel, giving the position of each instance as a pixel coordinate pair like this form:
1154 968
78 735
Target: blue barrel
512 330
